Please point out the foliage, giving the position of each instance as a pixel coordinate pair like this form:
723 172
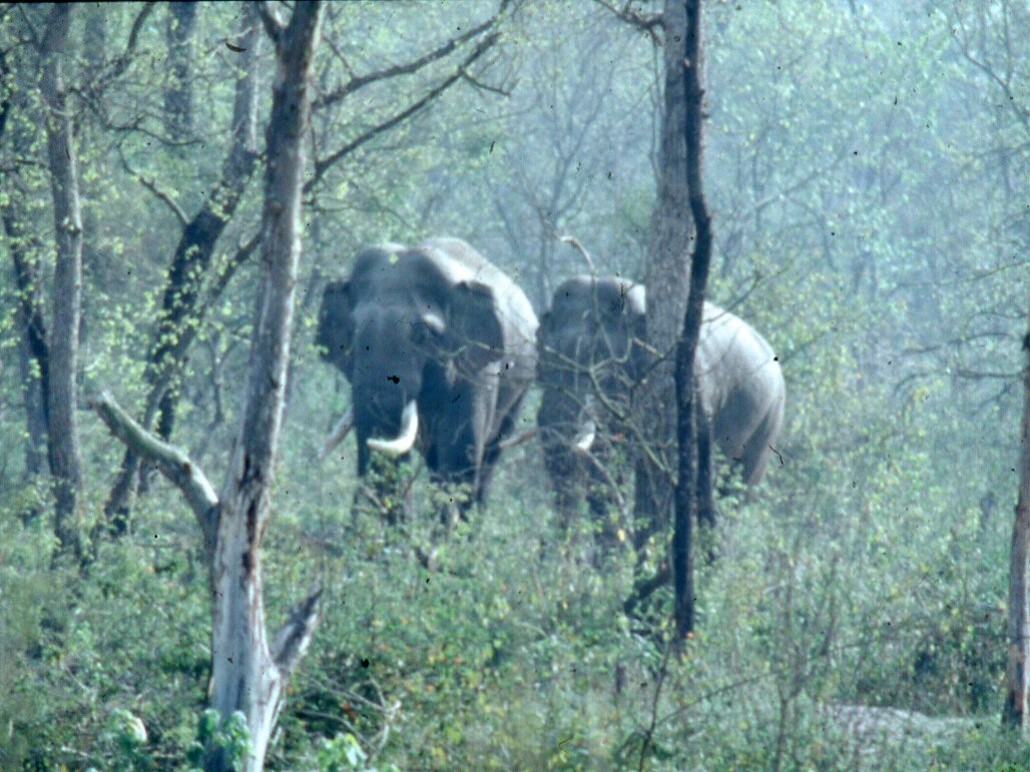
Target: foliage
868 179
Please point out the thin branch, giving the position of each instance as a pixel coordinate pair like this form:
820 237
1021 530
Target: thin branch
121 64
323 165
485 86
649 22
519 439
292 640
151 185
338 434
271 21
359 82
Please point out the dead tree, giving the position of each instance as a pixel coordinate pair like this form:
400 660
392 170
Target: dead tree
1019 615
249 671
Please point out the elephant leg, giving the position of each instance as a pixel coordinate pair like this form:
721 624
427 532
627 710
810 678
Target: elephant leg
565 474
453 470
602 477
758 449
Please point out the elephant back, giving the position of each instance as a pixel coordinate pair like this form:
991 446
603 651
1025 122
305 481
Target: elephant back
460 262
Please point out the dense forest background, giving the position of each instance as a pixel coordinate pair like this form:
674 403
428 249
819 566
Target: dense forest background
866 165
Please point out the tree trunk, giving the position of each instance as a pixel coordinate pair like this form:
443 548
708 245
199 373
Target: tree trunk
688 482
247 675
63 437
180 305
25 255
182 20
94 40
666 281
1019 616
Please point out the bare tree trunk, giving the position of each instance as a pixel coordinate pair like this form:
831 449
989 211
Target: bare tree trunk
180 306
25 255
688 483
666 281
63 437
1019 616
182 20
247 675
94 39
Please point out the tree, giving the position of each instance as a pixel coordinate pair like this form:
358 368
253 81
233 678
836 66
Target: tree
666 277
183 299
181 23
63 431
1018 676
249 672
689 416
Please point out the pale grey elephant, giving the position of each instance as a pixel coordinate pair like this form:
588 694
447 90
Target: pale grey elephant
591 357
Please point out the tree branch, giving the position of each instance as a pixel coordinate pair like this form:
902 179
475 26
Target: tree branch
323 165
358 82
292 640
121 64
271 21
649 22
170 460
151 185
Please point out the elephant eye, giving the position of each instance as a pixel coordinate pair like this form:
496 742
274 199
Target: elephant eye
423 331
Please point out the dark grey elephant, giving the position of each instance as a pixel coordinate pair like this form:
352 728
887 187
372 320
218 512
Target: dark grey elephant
591 358
438 346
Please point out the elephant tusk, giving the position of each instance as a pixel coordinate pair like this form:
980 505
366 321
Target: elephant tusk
585 439
338 434
405 440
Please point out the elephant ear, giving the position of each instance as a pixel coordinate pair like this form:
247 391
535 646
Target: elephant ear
335 332
475 327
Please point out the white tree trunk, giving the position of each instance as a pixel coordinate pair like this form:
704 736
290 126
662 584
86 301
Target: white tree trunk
248 674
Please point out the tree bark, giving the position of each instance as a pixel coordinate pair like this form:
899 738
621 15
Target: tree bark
1017 679
688 482
180 305
247 674
181 22
25 254
667 274
63 437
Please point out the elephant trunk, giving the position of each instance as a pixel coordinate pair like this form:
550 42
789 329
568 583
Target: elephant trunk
405 439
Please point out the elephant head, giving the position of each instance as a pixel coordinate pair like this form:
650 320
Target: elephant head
590 358
437 346
591 336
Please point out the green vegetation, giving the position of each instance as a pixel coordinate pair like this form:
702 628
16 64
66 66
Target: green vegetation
868 175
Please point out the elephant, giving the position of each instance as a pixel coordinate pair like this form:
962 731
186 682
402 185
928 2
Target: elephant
590 358
438 346
592 355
